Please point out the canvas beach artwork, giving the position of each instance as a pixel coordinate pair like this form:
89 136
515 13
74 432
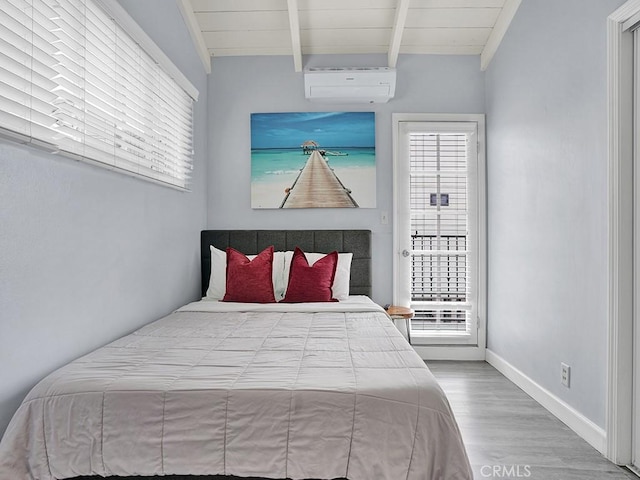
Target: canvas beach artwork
313 160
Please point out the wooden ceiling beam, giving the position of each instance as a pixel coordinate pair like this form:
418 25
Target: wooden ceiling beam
196 33
294 26
497 33
402 9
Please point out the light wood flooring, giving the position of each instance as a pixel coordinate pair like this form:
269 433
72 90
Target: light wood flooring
508 435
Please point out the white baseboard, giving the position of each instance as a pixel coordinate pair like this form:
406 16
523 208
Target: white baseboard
462 352
577 422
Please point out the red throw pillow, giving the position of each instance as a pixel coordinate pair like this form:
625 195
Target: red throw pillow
249 281
311 283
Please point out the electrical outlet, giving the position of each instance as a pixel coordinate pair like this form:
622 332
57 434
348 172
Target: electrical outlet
565 374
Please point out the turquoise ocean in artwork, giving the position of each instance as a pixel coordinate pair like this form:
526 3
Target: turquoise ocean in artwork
267 164
277 156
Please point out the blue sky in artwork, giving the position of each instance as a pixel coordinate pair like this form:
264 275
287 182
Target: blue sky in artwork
328 129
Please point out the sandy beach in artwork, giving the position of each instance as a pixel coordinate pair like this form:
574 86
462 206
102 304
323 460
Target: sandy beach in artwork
270 192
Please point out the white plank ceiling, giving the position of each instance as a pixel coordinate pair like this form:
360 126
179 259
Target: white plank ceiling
300 27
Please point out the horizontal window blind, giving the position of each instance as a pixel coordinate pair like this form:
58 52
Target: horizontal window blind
74 80
27 71
440 276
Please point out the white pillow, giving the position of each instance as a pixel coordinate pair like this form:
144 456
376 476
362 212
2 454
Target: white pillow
340 287
218 278
279 279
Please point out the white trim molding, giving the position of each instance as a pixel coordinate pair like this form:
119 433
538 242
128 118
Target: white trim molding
620 248
577 422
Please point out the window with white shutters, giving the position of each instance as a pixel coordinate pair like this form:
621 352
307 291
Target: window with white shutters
439 232
73 80
438 196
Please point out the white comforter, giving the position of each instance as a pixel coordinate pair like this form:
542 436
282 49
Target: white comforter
297 391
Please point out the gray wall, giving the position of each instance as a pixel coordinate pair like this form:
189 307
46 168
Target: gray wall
240 86
87 255
547 196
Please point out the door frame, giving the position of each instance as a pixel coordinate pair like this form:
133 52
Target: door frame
635 369
445 352
619 408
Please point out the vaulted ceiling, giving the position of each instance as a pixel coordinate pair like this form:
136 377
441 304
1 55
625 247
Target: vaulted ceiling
301 27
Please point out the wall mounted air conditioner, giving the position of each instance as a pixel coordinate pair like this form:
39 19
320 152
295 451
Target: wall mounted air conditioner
350 85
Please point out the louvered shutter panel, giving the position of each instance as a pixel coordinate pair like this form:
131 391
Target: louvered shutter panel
440 267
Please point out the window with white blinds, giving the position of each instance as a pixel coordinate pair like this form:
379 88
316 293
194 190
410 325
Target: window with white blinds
440 264
74 81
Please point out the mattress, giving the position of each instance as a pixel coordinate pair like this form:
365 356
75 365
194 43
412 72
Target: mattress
296 391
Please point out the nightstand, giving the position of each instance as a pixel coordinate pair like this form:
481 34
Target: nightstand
402 313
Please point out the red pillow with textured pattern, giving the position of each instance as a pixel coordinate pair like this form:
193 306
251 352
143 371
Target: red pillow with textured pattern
311 283
249 281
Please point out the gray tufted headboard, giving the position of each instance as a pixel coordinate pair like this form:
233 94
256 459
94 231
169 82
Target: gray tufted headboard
251 242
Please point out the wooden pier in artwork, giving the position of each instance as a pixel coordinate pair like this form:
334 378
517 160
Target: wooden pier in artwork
317 185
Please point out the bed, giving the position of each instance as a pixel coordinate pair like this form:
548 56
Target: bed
304 390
